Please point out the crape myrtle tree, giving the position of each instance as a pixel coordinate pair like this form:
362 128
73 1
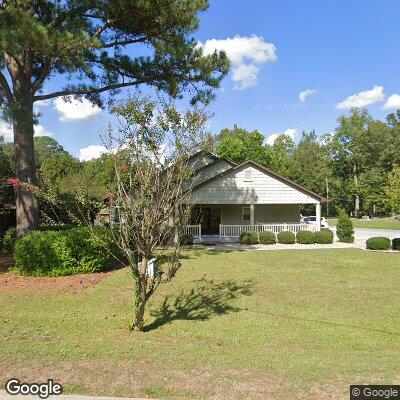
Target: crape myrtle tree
153 183
96 46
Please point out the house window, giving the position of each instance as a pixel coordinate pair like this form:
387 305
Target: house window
246 214
248 175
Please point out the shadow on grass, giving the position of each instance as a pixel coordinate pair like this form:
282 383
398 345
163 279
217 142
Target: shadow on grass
200 303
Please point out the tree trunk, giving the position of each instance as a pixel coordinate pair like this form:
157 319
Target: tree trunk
357 197
140 296
26 205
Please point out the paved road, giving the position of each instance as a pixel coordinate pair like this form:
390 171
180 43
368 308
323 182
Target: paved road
362 234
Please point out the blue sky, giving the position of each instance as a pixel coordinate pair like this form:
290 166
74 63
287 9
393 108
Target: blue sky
279 49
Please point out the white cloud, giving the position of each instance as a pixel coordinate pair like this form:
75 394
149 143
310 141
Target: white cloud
74 109
306 93
42 103
40 130
363 99
289 132
245 53
92 151
6 131
245 76
393 102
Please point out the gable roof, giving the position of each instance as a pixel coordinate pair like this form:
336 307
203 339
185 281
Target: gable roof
268 172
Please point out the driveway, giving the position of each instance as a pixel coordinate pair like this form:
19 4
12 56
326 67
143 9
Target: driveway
362 234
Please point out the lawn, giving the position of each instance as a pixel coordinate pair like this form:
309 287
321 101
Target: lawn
299 324
376 223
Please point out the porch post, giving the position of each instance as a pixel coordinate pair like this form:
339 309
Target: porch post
252 215
318 215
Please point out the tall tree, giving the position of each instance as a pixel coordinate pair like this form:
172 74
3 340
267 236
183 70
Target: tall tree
99 46
347 148
241 145
280 156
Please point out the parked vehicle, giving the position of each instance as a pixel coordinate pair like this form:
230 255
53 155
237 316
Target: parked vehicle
312 219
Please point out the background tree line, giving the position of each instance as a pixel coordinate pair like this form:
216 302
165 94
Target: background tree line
356 167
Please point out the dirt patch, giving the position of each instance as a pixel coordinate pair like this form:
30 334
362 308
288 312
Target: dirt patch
73 283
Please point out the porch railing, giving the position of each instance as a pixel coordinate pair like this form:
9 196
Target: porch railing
194 230
237 230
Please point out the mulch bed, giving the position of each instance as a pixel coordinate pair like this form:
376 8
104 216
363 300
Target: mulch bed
73 283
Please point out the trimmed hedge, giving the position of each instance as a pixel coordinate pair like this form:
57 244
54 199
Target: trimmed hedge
324 236
66 252
305 237
286 237
396 244
344 228
186 240
9 240
378 243
249 237
267 237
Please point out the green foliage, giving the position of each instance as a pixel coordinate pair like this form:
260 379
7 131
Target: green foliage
311 163
372 190
324 236
280 156
305 237
186 240
286 237
396 244
249 237
66 252
344 228
9 239
55 168
378 243
241 145
393 189
267 238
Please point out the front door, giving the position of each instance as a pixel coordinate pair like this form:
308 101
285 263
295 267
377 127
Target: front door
209 218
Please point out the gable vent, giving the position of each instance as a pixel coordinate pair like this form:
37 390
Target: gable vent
248 175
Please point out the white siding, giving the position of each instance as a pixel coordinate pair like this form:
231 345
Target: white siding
233 188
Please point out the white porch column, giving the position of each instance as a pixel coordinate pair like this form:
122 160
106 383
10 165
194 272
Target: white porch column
318 215
252 214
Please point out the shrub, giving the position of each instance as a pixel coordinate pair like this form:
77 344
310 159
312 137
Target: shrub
186 240
378 243
396 244
286 237
344 228
305 237
249 237
324 236
9 239
45 227
66 252
267 237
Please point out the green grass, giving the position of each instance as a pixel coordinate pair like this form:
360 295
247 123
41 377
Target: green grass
378 223
251 324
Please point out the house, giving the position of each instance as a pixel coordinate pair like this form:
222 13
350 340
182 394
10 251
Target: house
228 199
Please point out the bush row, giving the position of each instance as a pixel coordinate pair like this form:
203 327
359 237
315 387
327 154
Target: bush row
325 236
383 243
65 252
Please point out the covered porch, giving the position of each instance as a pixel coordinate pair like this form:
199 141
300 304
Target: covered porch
228 221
